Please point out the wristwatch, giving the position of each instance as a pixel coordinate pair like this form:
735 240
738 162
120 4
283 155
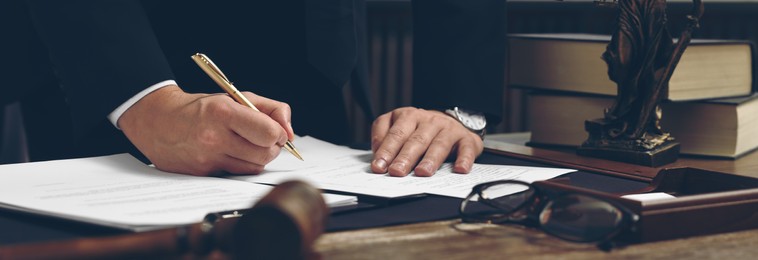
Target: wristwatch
472 120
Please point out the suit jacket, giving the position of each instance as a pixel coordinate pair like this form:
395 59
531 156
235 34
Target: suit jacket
103 52
459 55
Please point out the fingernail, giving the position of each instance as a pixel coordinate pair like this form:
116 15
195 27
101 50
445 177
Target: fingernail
461 168
425 167
399 167
381 164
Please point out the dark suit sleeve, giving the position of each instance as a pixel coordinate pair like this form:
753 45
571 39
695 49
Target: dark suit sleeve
459 55
103 53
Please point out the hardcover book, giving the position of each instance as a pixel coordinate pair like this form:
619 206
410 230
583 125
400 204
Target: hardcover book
572 62
719 127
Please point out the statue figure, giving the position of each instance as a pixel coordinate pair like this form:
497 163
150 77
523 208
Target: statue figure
641 58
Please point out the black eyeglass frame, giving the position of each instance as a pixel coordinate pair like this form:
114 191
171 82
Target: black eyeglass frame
536 203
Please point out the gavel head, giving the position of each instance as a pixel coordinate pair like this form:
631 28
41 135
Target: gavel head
282 225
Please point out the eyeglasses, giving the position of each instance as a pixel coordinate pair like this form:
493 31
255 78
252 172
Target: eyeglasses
570 216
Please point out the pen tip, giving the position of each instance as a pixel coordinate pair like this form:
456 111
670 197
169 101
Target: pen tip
291 148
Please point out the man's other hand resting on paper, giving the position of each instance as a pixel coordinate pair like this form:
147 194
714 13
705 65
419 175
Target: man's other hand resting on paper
410 138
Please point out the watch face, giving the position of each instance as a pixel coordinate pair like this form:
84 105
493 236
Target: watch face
473 121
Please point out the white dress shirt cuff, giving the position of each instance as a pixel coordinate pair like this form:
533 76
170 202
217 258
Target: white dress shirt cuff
116 114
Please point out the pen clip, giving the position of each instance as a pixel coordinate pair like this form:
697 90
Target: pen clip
210 65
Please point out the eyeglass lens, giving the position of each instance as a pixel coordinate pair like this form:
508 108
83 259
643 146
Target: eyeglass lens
580 218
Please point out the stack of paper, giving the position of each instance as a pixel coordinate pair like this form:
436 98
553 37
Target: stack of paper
333 167
121 191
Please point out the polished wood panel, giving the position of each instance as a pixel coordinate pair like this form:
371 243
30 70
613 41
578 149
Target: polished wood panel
450 240
746 165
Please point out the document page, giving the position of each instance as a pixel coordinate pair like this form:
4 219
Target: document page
121 191
344 169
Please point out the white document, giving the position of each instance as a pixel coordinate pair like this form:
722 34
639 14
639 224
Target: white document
647 197
344 169
121 191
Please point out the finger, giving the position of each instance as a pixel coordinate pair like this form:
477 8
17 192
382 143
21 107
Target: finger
243 150
468 150
391 144
257 128
236 166
438 151
226 163
413 149
278 111
210 164
379 130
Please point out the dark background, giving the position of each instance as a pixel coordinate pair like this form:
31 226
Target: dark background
390 52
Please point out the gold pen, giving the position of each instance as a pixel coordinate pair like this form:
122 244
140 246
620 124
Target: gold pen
215 73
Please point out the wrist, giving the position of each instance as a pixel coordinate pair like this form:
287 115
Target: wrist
151 103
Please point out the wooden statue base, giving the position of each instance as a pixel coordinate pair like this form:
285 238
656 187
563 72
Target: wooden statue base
662 155
641 152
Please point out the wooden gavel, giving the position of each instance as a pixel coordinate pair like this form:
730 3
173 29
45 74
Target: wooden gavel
282 225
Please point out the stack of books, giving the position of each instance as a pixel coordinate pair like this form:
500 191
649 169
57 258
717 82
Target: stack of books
711 108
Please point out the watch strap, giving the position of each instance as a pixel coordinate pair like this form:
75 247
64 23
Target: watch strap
453 112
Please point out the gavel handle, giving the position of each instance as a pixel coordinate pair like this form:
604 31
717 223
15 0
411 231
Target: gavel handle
161 242
172 242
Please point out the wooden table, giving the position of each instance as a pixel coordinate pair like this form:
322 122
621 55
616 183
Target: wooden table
450 240
453 240
513 145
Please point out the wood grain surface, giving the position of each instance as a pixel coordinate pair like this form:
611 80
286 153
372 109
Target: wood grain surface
452 240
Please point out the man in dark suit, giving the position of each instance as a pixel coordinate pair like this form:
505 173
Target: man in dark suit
122 60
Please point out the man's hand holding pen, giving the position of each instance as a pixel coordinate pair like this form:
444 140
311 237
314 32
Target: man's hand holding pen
203 134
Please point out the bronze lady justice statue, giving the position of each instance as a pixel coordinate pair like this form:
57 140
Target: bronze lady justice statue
641 58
